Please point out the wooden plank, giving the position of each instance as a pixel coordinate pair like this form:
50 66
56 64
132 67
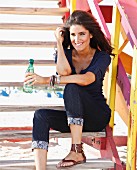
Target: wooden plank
15 84
123 82
107 12
126 61
121 105
11 84
130 9
113 67
45 0
27 134
127 9
14 62
73 4
24 128
29 107
99 16
29 26
39 44
33 11
111 150
51 164
132 121
90 164
124 41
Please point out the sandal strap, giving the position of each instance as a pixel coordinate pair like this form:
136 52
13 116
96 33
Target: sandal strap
74 162
78 148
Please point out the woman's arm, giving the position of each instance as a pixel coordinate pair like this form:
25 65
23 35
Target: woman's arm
80 79
63 67
33 78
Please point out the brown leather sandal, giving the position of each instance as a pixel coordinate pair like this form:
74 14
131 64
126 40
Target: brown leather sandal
78 149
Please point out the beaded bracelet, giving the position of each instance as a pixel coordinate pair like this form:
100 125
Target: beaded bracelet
54 79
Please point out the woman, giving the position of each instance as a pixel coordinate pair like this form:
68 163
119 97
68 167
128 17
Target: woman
83 56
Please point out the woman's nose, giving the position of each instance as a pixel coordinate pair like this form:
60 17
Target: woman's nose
76 38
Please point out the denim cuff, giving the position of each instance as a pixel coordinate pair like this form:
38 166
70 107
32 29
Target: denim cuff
75 121
39 145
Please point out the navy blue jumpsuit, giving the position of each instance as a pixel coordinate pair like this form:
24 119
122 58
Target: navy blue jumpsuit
84 105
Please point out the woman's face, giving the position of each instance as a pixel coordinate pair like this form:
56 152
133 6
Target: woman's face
80 37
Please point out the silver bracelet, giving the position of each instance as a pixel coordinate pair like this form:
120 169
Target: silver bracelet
58 79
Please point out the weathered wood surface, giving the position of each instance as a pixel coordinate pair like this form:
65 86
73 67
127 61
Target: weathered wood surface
15 84
25 62
39 44
29 26
123 82
11 84
128 12
51 164
28 107
45 0
23 134
33 11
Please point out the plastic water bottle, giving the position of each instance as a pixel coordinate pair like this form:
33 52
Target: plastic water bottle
29 88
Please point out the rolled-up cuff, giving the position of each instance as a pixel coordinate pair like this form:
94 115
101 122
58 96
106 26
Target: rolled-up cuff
75 121
39 145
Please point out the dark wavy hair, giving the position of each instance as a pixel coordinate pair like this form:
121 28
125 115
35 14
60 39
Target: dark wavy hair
88 21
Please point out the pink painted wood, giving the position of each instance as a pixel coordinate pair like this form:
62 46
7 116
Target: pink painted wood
128 11
95 9
123 82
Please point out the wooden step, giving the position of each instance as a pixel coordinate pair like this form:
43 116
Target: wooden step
8 107
10 84
14 62
34 11
39 44
27 107
27 134
51 164
30 102
29 26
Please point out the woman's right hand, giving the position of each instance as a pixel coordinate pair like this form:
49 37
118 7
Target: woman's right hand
59 34
35 79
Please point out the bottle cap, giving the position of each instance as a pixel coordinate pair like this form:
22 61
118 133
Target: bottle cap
31 61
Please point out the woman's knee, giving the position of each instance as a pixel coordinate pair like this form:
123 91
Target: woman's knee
71 89
41 115
73 101
38 114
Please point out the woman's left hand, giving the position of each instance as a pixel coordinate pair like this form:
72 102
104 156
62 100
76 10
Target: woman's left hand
59 34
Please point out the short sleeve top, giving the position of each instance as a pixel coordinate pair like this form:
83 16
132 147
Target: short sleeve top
98 66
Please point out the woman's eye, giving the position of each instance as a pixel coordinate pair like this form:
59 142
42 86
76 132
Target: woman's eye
72 34
82 33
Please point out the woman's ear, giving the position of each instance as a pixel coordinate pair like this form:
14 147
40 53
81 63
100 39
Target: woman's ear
91 36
